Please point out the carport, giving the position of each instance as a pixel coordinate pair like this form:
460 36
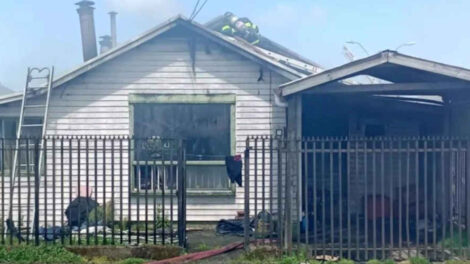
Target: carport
435 95
377 160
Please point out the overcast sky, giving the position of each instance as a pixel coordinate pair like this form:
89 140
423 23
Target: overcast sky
41 33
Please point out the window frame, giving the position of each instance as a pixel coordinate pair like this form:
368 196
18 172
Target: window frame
230 99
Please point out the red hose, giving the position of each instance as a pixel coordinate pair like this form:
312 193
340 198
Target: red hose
199 255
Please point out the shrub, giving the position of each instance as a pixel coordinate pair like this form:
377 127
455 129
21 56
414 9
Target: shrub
97 215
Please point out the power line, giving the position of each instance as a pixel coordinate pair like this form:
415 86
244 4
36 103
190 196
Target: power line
199 10
194 9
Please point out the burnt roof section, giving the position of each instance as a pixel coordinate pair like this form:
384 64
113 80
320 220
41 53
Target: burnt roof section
387 65
218 22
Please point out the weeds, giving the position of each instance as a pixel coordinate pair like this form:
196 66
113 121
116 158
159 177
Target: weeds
25 254
202 247
133 261
269 256
376 261
418 260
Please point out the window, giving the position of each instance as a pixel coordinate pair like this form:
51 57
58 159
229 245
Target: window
155 177
205 122
9 128
8 134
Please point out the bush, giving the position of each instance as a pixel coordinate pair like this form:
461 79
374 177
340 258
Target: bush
97 215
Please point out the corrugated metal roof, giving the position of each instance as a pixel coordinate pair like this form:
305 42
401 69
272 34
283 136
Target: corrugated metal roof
387 65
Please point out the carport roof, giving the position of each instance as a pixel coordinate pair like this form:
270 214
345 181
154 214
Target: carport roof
387 65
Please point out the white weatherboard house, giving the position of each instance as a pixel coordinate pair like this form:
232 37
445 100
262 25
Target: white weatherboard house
189 69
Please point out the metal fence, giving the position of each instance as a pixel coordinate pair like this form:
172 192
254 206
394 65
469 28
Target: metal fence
92 190
360 198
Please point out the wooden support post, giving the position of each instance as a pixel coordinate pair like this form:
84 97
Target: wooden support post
292 167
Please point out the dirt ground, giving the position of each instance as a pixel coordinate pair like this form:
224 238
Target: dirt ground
206 239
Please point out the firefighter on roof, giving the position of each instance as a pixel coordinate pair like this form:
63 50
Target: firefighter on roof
241 27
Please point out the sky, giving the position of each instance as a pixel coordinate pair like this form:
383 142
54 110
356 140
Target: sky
47 32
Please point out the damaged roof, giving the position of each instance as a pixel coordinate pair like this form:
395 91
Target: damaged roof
265 43
236 44
386 65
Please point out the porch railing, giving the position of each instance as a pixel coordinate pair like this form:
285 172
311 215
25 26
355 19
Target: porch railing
90 191
360 198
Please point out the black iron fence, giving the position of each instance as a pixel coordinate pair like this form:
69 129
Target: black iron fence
360 198
93 190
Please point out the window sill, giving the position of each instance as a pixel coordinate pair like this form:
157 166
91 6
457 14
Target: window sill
189 193
210 192
188 163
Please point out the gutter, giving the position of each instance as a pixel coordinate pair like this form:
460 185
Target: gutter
13 97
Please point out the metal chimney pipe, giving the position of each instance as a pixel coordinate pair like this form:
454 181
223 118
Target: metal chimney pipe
112 16
105 44
87 27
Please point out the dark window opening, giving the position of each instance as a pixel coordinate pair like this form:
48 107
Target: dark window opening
206 130
374 130
204 127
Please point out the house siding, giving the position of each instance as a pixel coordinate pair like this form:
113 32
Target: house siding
97 103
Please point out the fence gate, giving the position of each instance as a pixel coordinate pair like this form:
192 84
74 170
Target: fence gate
360 198
93 190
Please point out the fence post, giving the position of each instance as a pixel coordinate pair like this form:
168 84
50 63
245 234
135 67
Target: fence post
467 193
291 173
36 192
246 220
181 195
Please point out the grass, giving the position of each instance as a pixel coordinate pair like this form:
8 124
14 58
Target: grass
133 261
269 256
418 260
376 261
105 260
202 247
50 254
455 242
25 254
